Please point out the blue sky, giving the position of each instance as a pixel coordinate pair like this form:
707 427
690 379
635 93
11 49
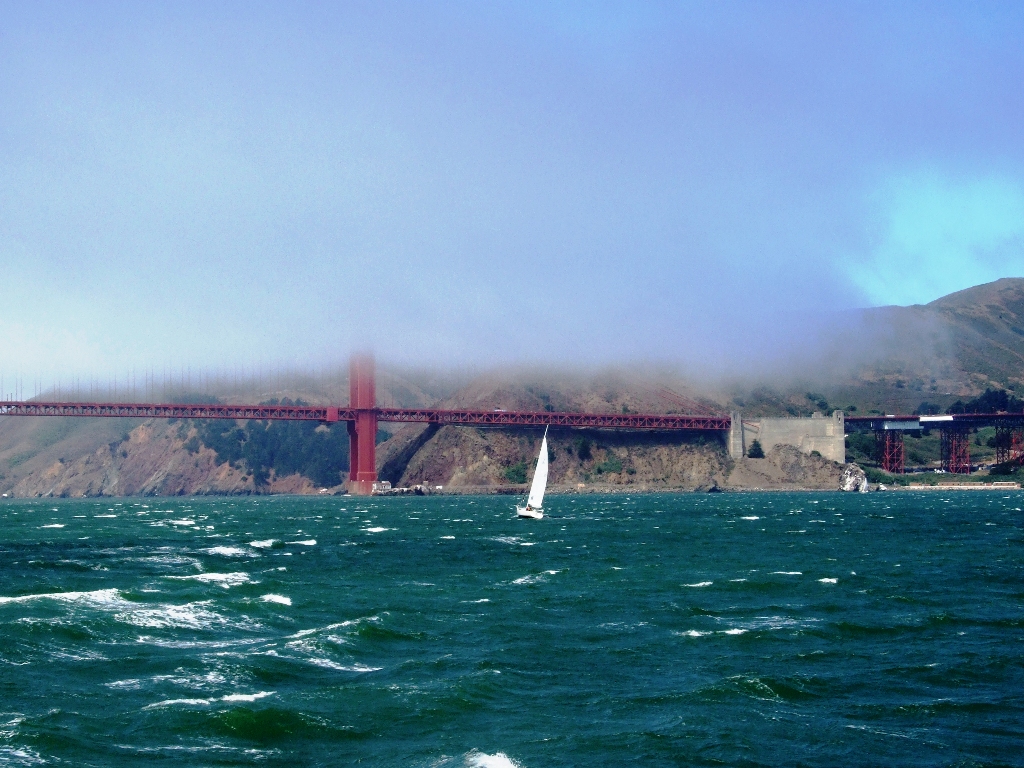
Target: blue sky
450 183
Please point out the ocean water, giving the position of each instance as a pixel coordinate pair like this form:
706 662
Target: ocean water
659 630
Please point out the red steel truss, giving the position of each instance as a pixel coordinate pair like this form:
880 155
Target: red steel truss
956 454
544 418
1009 445
405 415
890 447
173 411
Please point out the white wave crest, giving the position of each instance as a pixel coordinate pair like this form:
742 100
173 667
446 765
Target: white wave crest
20 756
319 661
231 697
376 529
53 525
276 599
246 696
228 551
99 597
477 759
263 544
338 625
829 581
700 584
226 580
534 578
311 542
153 616
187 616
788 573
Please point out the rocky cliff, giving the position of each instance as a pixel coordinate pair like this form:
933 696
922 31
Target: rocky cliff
154 458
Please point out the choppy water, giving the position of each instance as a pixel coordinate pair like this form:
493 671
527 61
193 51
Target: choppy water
754 629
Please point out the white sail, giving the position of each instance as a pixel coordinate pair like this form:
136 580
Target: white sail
540 477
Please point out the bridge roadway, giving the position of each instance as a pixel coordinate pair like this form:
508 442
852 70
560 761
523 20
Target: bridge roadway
331 414
903 422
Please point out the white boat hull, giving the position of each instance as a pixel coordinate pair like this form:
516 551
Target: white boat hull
534 514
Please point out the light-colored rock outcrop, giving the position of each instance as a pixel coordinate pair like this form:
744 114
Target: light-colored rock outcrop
853 479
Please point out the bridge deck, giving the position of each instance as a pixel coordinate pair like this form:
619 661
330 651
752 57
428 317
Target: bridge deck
329 414
493 418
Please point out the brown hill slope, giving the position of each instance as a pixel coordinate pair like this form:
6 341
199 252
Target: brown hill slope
985 330
891 359
974 337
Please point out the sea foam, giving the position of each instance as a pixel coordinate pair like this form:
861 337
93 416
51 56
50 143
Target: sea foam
229 552
231 697
226 580
476 759
276 599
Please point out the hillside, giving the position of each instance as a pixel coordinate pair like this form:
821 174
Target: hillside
892 359
974 338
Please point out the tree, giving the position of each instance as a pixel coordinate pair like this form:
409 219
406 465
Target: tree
756 451
516 473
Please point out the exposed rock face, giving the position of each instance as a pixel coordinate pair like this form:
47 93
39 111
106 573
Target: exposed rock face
463 458
785 467
853 479
152 460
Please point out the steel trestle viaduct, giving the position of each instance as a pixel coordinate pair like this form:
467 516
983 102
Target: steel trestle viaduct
362 416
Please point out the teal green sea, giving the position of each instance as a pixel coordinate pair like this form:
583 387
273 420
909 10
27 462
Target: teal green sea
751 629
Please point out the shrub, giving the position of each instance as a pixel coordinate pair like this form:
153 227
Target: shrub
583 448
610 465
516 473
756 451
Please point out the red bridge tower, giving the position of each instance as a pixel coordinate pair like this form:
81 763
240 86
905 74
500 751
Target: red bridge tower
362 431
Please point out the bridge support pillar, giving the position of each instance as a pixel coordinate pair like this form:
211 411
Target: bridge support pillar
956 452
362 432
890 449
1009 444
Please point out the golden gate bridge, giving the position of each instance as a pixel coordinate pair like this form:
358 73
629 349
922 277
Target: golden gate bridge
362 416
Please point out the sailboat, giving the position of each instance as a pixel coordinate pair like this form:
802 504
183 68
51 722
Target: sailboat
534 502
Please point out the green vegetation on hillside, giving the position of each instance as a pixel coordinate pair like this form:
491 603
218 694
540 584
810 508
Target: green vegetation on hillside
991 401
611 465
516 473
317 451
